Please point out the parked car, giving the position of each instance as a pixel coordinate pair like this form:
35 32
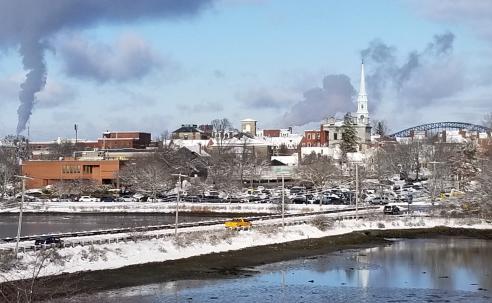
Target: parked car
48 241
107 199
88 199
299 199
379 200
391 210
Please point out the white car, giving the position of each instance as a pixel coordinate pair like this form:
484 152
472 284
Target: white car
88 199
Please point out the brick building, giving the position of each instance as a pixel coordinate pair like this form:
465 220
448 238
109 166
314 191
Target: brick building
117 140
315 138
52 171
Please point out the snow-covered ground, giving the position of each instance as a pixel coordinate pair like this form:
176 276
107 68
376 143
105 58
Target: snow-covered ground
199 240
161 207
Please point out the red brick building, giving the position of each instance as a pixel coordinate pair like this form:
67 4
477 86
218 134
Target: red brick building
271 133
315 138
52 171
117 140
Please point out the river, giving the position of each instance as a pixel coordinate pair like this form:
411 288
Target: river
417 270
36 224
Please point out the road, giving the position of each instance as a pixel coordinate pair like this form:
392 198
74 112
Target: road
35 224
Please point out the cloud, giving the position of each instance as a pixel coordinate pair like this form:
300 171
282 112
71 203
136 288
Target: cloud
263 99
201 107
399 90
475 14
55 94
335 96
29 24
128 58
219 74
411 79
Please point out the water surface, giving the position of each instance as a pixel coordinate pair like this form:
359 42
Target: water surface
423 270
36 224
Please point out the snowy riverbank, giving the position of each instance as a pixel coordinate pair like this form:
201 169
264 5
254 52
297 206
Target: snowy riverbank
196 241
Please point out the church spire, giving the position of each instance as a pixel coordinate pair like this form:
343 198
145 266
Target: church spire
362 110
362 89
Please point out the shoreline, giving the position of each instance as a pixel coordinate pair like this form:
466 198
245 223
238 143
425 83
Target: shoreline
236 263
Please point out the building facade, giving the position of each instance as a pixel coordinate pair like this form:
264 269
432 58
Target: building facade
360 119
49 172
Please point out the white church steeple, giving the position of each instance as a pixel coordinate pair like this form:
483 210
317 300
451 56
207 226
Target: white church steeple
362 110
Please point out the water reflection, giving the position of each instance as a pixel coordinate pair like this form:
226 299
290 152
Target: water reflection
436 270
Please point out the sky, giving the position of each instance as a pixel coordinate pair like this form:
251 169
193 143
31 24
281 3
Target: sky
152 65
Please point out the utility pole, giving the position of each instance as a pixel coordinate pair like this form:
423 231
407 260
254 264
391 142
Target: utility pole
76 128
356 191
19 225
283 201
177 204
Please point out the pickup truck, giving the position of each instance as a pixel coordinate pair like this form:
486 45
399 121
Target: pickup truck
238 224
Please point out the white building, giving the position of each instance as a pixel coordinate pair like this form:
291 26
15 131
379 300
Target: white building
360 119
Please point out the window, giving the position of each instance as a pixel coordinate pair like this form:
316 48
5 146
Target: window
71 169
88 169
335 136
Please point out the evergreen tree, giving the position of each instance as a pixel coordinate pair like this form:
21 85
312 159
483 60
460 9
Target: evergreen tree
349 137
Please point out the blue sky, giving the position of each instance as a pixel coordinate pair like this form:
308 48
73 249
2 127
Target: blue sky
254 59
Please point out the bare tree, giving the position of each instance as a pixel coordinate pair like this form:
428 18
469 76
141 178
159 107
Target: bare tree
320 171
8 168
487 120
78 187
221 127
380 127
33 287
222 173
150 174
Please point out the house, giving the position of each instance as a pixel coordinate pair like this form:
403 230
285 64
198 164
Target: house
190 132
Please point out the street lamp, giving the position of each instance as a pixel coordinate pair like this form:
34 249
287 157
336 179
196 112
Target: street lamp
19 225
177 203
283 199
356 159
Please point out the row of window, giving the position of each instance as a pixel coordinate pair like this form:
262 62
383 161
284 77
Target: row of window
312 136
75 169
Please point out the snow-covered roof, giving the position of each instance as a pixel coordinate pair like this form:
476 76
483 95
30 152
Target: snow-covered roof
198 150
355 157
277 141
186 143
287 160
243 141
248 120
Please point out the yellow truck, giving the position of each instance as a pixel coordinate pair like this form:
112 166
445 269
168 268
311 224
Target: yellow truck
238 223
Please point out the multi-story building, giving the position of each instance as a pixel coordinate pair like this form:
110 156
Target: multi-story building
248 126
190 132
49 172
315 138
128 139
